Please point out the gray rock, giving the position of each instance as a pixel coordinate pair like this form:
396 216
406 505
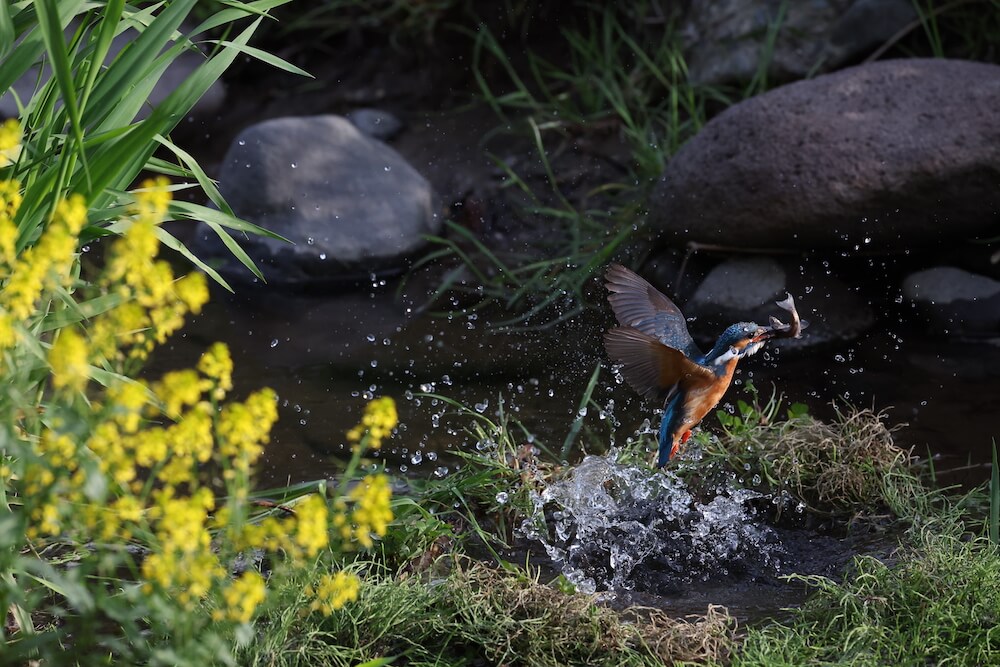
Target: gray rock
726 41
741 284
349 204
745 289
889 155
955 302
375 123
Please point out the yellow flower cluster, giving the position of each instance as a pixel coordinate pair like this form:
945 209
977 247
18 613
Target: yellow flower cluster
301 534
10 142
377 423
217 366
332 592
137 460
152 199
44 265
243 429
371 514
68 359
312 525
241 598
154 303
10 202
183 562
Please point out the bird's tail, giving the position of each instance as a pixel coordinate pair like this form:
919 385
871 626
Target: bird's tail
667 430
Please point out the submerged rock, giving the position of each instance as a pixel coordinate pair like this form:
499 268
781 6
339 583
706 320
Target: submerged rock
745 289
375 123
727 41
889 155
349 204
956 302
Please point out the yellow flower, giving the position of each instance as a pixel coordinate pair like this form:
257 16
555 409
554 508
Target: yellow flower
178 390
311 525
372 510
243 428
377 423
48 262
192 290
217 365
242 597
68 359
152 199
10 202
333 592
7 334
10 142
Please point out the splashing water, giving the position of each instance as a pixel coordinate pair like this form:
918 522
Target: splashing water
611 526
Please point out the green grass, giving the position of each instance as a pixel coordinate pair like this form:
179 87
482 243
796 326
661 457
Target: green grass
467 613
617 82
939 604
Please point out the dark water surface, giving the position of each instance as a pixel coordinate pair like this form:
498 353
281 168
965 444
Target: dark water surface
326 354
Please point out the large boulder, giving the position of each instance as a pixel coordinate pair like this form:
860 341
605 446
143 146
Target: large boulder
349 204
883 156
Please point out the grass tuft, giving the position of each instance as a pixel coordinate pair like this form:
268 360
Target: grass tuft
483 615
938 605
837 467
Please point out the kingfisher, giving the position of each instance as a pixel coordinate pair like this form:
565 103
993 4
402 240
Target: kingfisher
661 361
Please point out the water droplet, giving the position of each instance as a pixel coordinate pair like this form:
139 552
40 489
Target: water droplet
416 458
274 342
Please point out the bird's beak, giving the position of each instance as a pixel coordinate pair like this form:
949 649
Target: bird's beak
762 334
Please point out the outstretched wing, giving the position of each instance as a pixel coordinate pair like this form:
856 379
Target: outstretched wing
639 305
650 367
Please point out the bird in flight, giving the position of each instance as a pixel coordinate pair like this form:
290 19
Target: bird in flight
661 361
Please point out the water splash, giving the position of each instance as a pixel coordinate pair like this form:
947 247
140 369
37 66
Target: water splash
611 526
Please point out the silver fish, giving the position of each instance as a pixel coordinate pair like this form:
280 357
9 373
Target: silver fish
779 329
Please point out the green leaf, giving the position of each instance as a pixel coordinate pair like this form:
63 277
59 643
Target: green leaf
171 242
994 528
6 30
268 58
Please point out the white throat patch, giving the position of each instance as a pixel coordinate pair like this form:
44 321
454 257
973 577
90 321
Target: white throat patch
733 353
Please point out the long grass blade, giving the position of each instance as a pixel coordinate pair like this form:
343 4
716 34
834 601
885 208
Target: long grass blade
574 429
995 498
